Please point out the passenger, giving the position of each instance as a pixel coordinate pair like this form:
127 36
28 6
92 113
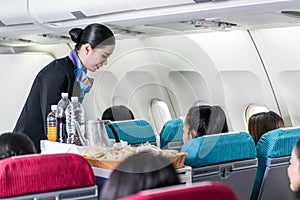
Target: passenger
15 144
293 170
117 113
260 123
94 45
204 120
139 172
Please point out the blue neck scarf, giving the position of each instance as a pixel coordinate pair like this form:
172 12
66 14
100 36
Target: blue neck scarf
80 75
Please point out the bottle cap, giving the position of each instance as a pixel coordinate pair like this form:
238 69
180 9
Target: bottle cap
53 107
64 94
74 98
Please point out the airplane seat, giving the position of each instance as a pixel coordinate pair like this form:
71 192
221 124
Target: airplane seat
133 131
171 134
47 176
205 190
273 152
226 157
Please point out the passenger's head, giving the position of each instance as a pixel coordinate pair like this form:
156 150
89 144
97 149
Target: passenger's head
260 123
117 113
94 45
15 144
139 172
294 169
204 120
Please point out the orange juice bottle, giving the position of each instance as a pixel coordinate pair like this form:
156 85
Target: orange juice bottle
51 124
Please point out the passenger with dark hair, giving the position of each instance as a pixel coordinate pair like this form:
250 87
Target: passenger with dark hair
139 172
94 45
204 120
260 123
293 170
117 113
15 144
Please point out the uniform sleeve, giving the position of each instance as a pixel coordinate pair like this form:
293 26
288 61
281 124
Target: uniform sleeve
52 83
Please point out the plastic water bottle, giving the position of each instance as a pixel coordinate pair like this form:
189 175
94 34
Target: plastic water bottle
51 124
61 132
74 112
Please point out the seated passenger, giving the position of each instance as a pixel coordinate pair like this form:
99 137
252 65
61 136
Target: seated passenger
204 120
117 113
260 123
15 144
139 172
294 170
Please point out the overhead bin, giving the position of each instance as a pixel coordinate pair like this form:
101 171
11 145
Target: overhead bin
14 13
51 11
141 12
57 10
15 19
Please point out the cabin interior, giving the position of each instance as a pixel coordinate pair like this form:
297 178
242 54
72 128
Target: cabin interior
242 55
169 56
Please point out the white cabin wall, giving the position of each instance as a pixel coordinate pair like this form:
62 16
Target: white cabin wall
221 68
20 71
279 48
130 78
20 67
157 68
240 69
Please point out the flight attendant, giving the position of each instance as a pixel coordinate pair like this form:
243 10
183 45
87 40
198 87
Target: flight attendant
94 45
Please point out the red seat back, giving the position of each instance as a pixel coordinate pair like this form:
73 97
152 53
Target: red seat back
43 173
204 190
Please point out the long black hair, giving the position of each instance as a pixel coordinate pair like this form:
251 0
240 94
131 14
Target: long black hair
260 123
14 144
206 120
117 113
139 172
96 35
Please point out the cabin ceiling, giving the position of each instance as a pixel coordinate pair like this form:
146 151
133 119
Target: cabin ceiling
25 22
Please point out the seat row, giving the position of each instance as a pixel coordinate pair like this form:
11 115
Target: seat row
253 172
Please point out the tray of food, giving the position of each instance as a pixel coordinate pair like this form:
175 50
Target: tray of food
111 157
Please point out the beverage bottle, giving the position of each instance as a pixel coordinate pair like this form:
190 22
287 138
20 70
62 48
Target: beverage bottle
51 124
74 112
61 132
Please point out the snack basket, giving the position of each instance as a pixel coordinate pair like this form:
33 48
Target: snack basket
176 158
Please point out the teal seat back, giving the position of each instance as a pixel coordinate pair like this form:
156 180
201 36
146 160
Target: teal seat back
133 131
273 144
218 148
171 131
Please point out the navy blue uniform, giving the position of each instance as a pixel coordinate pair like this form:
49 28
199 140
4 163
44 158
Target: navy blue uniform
51 81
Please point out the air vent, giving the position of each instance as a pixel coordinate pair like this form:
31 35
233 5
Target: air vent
78 14
204 23
57 37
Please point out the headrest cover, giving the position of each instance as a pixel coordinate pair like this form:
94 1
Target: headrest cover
212 149
43 173
205 190
171 131
275 143
133 131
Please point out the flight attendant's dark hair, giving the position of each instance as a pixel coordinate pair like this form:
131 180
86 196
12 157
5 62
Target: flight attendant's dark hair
96 35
